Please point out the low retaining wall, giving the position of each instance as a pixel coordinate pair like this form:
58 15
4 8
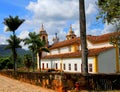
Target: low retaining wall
62 82
47 80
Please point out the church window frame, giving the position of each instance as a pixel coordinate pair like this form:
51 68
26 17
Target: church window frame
43 66
69 66
75 67
46 65
64 66
90 67
56 65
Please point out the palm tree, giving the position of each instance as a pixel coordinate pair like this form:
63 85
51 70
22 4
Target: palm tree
13 43
12 24
36 46
31 42
41 48
83 38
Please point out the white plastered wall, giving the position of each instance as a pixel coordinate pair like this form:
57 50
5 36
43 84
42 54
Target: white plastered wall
107 62
99 45
66 61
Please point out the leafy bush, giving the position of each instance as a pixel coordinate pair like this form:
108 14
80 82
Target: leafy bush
6 63
9 65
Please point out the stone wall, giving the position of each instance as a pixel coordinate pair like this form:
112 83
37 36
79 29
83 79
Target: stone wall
62 82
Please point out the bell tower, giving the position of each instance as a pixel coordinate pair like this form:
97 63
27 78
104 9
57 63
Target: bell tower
70 34
44 35
55 39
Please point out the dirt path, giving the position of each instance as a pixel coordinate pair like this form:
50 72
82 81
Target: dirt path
11 85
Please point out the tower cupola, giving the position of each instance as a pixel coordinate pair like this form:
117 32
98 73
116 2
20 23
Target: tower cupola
70 34
55 39
43 34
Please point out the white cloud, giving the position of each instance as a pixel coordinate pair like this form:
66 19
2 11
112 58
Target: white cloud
95 32
108 28
5 28
56 14
23 34
51 9
3 39
91 9
76 28
24 46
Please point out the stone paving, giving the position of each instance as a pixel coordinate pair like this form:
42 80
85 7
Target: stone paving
12 85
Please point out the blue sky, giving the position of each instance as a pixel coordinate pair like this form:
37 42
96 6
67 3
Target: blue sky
56 15
7 7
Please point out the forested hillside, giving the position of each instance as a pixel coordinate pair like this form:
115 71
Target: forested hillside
8 52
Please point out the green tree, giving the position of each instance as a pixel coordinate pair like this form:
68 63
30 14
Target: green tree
19 61
36 46
13 43
9 65
41 48
83 38
5 63
31 42
109 11
12 24
28 61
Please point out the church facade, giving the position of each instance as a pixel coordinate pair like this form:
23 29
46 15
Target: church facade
66 55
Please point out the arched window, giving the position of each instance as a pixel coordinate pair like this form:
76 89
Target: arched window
43 38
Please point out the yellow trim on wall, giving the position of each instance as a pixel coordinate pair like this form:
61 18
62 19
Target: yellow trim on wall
73 48
117 59
95 64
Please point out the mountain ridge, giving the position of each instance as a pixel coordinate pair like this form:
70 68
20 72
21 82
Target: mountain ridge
8 52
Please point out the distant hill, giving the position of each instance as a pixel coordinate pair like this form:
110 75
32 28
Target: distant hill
8 52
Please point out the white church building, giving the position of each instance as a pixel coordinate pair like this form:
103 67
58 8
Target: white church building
66 55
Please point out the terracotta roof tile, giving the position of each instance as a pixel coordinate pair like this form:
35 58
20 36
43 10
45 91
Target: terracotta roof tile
93 39
102 38
92 52
65 43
